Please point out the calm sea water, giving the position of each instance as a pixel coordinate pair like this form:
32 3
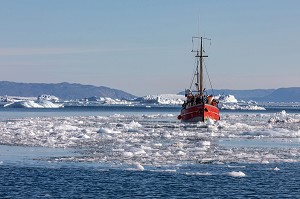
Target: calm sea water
92 182
29 171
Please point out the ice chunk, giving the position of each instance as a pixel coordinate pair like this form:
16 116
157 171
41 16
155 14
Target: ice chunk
236 174
107 131
127 154
276 169
139 167
227 99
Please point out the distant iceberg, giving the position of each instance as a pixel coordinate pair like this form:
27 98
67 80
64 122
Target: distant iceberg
111 101
226 102
164 99
5 100
50 98
42 101
227 98
229 102
33 104
241 107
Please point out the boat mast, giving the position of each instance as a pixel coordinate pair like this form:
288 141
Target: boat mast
199 70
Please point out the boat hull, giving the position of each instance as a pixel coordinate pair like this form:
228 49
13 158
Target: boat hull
199 112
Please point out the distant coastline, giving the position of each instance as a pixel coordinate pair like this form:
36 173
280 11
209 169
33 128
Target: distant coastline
79 91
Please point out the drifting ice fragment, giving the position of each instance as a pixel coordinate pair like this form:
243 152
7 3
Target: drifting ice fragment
139 167
276 169
236 174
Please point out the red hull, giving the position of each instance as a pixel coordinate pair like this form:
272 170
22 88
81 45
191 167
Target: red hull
199 112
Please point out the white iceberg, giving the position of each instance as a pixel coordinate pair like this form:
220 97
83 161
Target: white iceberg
163 99
111 101
226 98
33 104
229 102
236 174
50 98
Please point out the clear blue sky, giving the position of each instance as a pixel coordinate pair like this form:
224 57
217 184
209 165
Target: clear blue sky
143 46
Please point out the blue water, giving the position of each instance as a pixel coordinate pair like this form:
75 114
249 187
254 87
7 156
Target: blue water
8 113
85 182
28 172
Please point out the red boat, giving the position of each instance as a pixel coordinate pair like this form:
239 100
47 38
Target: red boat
198 106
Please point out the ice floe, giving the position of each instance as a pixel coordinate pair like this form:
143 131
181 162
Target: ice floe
160 139
236 174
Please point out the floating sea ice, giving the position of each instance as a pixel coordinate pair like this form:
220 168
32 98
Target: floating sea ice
139 167
66 127
282 113
157 154
178 144
282 117
236 174
127 154
157 144
181 153
167 153
139 152
132 126
167 135
165 170
235 166
198 173
210 122
265 162
107 130
86 136
34 104
205 143
276 169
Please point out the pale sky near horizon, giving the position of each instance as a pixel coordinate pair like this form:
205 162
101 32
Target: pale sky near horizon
144 46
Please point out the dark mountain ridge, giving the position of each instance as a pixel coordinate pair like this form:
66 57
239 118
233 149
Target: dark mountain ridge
62 90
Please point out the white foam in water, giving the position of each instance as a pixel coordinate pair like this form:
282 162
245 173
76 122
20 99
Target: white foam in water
160 139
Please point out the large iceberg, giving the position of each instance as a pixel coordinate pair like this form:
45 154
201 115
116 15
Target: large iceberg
50 98
33 104
164 99
42 101
227 98
229 102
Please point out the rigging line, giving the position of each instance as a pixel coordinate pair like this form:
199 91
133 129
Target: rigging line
209 79
193 79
